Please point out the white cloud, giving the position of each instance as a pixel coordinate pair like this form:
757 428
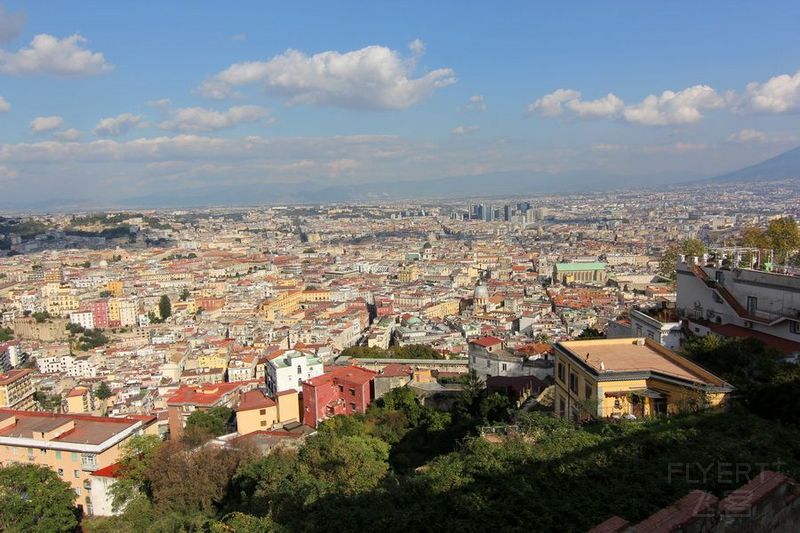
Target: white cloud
374 77
199 119
239 37
50 55
69 135
10 24
45 124
605 107
475 103
161 103
115 126
682 107
549 105
5 107
748 135
464 130
780 94
417 47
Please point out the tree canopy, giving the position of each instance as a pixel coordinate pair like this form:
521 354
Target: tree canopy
34 498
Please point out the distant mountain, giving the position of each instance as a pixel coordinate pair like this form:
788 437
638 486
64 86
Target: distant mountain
782 166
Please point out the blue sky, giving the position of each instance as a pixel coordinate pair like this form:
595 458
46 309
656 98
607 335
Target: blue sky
112 98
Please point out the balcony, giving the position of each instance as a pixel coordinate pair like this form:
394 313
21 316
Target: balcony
89 462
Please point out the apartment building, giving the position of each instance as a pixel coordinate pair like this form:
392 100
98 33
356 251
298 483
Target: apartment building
16 389
74 446
740 303
342 391
288 369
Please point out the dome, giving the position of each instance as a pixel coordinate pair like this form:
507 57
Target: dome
481 292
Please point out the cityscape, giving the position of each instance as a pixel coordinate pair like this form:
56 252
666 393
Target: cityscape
339 326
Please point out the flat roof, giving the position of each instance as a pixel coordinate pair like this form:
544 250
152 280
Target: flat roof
632 355
87 429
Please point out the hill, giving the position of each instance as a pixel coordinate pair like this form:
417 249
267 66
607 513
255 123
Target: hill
782 166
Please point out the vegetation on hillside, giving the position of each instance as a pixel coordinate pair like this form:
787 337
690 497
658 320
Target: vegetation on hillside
409 351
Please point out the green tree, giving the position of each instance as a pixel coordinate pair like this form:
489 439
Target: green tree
6 334
689 247
209 423
784 236
185 294
34 498
103 391
164 307
590 333
345 464
132 481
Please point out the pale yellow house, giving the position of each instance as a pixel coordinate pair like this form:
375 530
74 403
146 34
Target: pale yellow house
630 377
16 389
73 446
258 412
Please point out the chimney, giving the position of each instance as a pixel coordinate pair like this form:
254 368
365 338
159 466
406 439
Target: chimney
602 366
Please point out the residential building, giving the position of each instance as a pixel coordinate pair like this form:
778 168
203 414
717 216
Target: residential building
631 377
73 446
287 369
660 324
189 398
740 303
16 389
80 400
342 391
84 319
257 411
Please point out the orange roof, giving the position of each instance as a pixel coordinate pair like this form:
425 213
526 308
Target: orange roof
350 374
485 342
254 399
208 394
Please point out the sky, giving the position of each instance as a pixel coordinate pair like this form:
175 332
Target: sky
109 100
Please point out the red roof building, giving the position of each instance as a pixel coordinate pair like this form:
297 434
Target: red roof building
340 391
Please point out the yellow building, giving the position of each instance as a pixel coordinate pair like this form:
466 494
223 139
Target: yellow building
282 304
80 400
442 309
258 412
630 377
408 274
116 288
73 446
213 360
16 389
62 302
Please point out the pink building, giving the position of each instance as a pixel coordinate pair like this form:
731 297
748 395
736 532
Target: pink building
341 391
99 309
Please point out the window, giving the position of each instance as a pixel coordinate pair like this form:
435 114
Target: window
263 423
505 367
573 382
587 391
60 472
561 372
262 412
487 363
562 408
30 454
352 392
299 369
651 335
341 388
58 454
794 327
353 406
74 456
77 490
87 484
76 473
638 331
752 304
